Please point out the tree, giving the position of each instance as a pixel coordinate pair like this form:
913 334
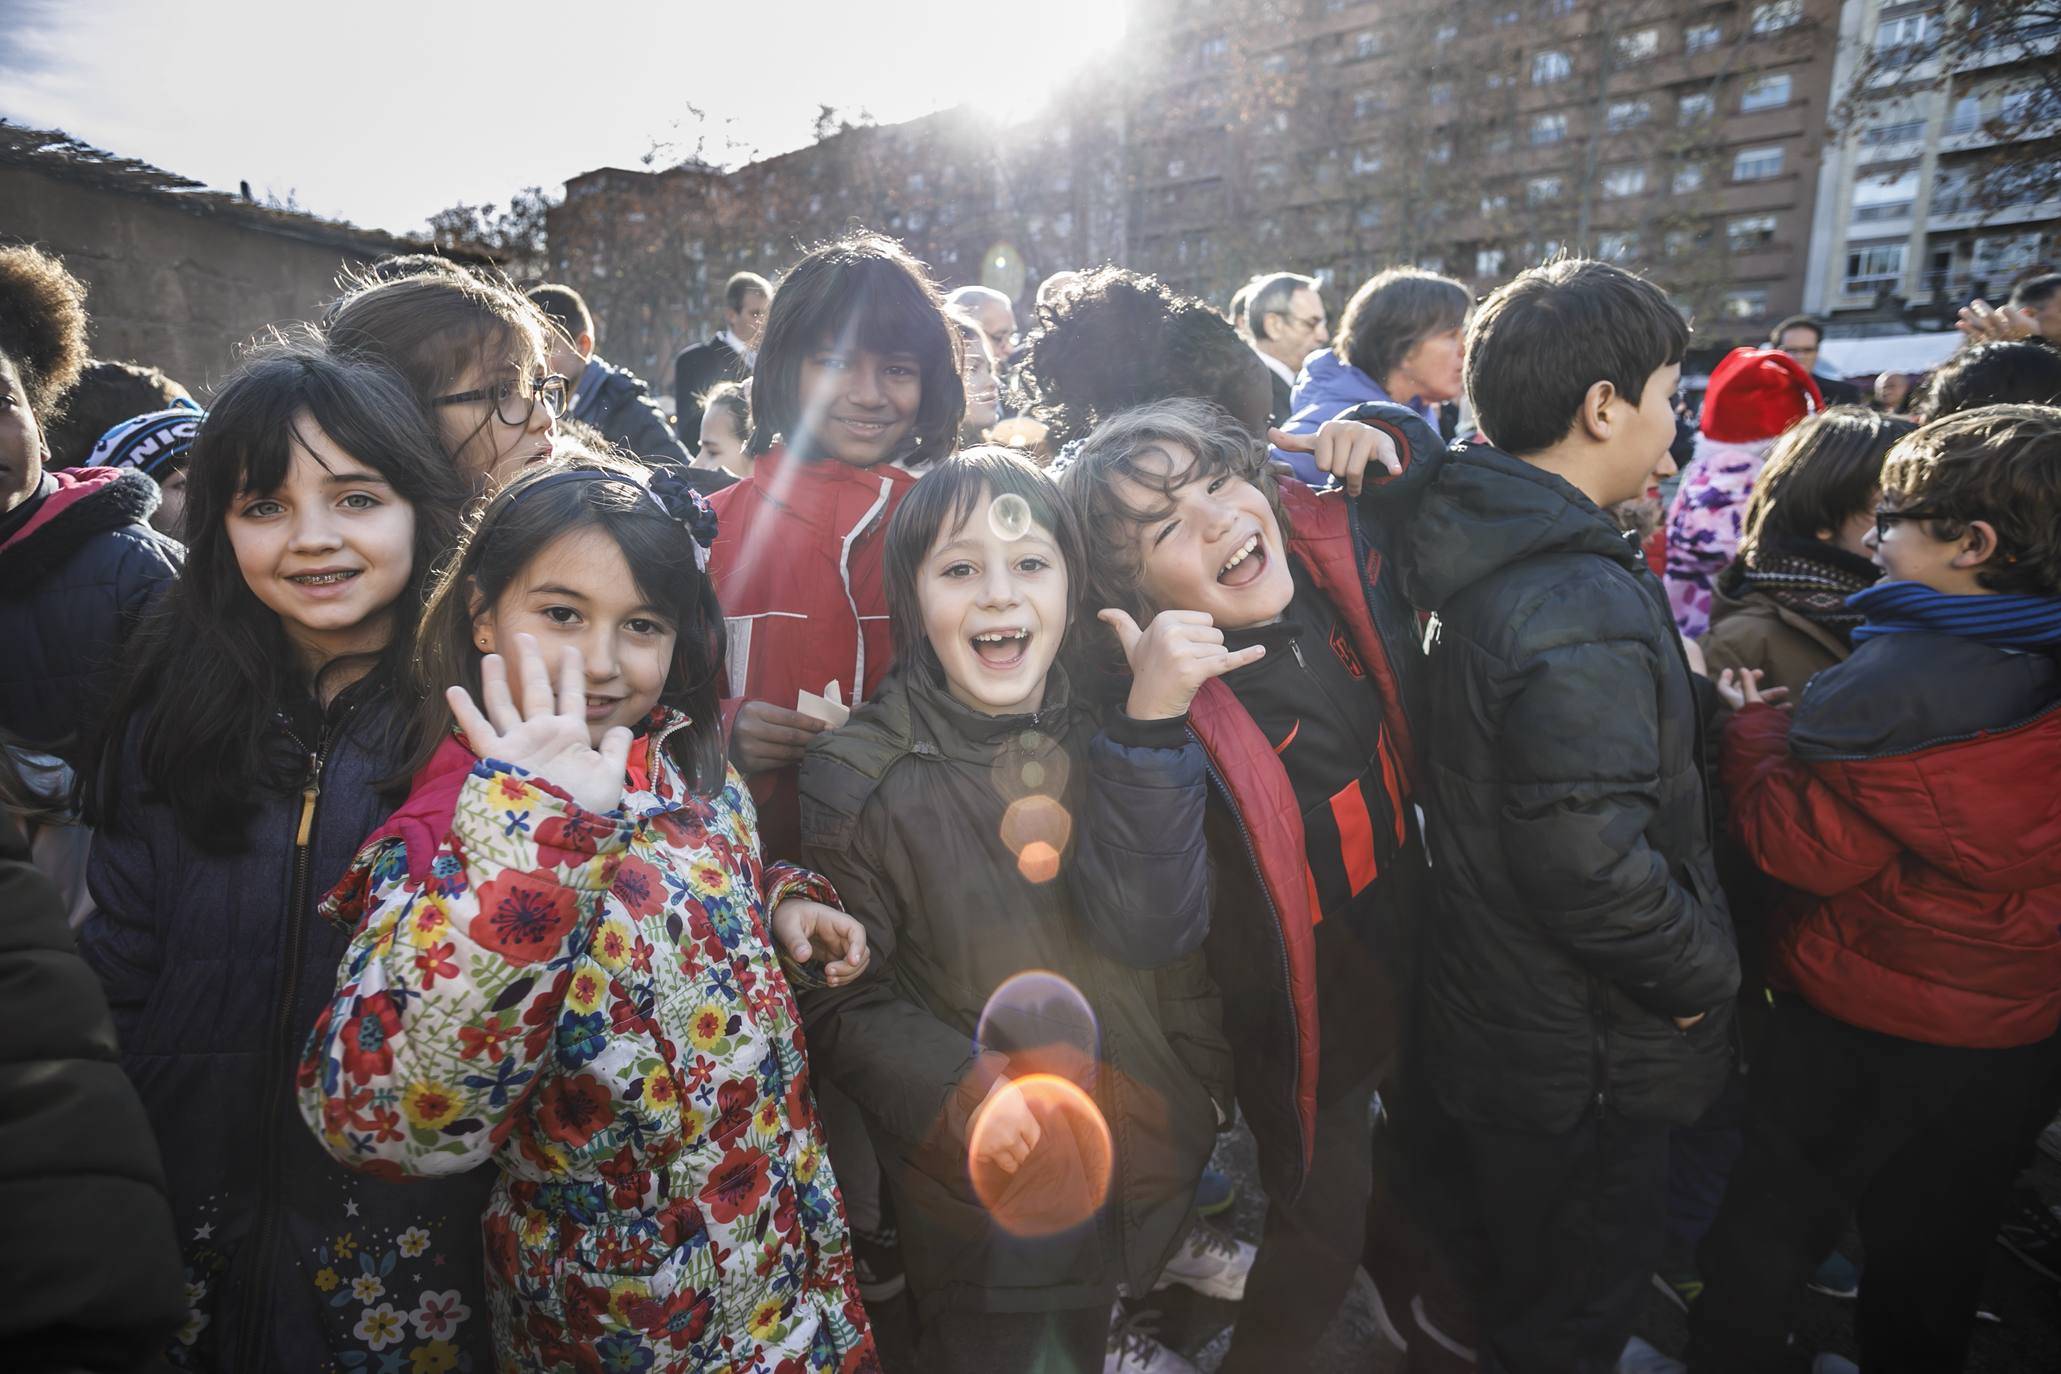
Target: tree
513 237
2004 56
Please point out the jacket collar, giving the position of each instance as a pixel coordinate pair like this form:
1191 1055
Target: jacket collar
940 723
84 503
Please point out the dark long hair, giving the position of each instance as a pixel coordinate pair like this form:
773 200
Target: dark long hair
868 290
517 525
210 667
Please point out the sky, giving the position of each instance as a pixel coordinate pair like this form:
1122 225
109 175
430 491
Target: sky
382 112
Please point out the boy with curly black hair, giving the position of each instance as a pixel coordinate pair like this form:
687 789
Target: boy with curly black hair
78 558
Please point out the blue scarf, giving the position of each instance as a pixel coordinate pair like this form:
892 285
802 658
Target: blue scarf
2008 622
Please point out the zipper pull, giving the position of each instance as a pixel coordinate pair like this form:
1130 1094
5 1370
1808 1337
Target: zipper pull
309 793
1295 647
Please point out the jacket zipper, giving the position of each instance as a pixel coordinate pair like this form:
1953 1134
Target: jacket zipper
1280 943
257 1293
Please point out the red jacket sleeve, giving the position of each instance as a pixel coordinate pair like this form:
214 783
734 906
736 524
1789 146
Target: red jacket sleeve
1798 830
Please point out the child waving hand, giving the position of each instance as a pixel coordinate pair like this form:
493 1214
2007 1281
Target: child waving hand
561 960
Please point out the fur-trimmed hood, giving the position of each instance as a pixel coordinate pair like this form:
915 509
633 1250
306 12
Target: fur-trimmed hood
88 501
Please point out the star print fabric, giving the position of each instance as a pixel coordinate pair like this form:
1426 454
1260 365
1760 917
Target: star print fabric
593 1002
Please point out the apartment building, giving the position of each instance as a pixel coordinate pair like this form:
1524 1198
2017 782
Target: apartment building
1905 234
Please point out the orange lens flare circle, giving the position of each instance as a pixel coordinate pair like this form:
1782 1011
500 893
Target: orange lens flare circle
1064 1181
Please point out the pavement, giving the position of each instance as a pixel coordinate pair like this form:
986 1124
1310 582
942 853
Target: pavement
2025 1338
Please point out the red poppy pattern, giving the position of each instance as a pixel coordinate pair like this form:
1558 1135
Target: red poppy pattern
592 1002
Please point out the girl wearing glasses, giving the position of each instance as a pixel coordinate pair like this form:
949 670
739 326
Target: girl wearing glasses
472 351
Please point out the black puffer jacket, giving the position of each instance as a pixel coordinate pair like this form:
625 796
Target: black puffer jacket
1568 818
915 810
73 579
89 1265
617 402
216 967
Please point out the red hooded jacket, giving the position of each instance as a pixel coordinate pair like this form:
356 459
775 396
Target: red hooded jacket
1931 875
797 568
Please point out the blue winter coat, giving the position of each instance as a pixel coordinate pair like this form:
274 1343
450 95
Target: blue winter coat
216 967
1328 387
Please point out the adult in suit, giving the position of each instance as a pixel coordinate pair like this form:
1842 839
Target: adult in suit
1284 321
725 357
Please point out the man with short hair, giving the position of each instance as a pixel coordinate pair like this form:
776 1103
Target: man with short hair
1284 321
992 311
1799 336
725 357
614 400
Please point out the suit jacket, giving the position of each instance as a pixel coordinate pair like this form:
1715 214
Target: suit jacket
696 370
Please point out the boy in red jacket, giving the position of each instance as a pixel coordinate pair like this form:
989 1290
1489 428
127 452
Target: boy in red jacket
1911 798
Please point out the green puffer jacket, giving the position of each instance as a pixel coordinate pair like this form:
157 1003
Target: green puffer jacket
929 818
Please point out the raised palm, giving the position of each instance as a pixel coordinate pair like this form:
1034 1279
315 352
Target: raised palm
547 735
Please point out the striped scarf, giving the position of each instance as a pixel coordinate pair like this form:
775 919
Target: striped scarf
1807 576
2007 621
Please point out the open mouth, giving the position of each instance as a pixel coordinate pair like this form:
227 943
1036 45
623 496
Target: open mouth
1244 566
597 707
864 429
1002 650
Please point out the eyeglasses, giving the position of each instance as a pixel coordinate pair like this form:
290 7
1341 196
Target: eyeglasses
513 401
1885 518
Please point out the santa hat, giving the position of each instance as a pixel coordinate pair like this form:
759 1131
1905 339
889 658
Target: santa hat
1755 394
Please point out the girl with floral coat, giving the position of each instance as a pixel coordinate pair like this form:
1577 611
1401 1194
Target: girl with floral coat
561 961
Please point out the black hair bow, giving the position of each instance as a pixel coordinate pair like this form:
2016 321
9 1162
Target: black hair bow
687 508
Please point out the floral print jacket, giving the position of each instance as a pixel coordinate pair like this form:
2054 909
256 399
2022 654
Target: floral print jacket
594 1002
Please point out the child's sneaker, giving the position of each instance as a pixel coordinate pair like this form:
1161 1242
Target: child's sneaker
1133 1349
877 1263
1837 1277
2033 1233
1214 1193
1211 1263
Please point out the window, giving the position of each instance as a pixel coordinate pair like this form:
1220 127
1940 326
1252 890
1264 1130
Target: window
1366 162
1904 31
1872 266
1488 262
1214 50
1688 178
1876 199
1446 34
1366 43
1432 262
915 181
1439 153
1776 16
1617 247
2006 253
1628 114
1700 37
1542 190
1638 45
1748 232
1176 167
1910 131
1499 143
1369 217
1496 81
1495 204
1548 129
1756 164
1441 92
1621 182
1557 9
1764 93
1367 104
1694 109
1681 242
1538 250
1749 304
1550 66
1967 116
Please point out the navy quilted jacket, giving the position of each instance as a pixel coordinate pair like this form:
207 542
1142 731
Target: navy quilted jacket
216 967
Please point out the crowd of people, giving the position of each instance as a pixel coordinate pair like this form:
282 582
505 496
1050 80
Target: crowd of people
500 872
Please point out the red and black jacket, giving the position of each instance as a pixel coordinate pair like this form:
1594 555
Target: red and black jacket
1264 956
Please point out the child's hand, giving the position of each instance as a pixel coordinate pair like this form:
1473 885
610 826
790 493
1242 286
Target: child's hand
764 737
1343 448
1004 1130
1741 689
1172 658
544 738
799 925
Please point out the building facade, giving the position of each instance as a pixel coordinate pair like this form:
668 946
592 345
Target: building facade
1338 137
1905 234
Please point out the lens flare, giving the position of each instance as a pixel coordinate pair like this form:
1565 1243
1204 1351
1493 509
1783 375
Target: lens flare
1009 516
1030 763
1065 1180
1036 829
1043 1023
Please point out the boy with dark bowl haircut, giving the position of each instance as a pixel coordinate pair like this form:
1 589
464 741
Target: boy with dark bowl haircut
1575 995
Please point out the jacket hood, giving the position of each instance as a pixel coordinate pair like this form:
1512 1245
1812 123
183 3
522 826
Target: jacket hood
1902 728
615 378
1486 509
86 502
